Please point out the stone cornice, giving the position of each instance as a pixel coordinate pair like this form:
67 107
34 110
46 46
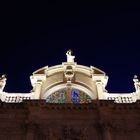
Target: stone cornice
96 104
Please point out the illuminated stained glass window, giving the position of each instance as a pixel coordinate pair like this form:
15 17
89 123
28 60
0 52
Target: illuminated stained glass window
60 96
78 96
57 97
75 96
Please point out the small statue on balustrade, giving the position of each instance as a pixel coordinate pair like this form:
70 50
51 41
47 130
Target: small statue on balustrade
2 82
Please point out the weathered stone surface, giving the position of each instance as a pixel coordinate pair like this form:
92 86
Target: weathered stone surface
99 120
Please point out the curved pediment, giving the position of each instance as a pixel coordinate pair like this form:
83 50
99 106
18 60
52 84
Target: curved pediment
61 68
69 76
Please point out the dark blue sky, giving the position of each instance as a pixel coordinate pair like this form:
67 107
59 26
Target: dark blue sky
104 35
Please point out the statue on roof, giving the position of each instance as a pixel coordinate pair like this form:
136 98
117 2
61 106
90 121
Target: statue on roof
70 57
2 82
136 83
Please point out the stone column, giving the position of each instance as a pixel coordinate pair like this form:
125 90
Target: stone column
37 91
99 86
36 81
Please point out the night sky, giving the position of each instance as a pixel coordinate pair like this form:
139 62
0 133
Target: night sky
105 35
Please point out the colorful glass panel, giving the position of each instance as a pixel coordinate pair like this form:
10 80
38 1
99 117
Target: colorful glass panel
60 96
78 96
75 96
57 97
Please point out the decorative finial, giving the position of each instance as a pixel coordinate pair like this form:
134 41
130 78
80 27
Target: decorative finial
70 57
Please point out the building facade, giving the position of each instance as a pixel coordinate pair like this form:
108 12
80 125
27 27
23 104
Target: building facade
69 102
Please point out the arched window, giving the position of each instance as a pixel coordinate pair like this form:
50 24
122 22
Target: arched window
64 96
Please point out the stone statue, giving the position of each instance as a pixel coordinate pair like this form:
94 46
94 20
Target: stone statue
136 83
2 82
70 57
